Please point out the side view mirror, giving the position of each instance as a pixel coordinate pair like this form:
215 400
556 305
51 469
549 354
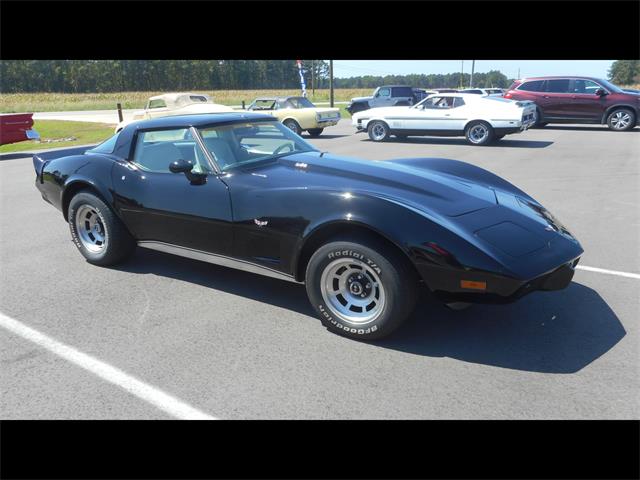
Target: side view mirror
183 166
601 92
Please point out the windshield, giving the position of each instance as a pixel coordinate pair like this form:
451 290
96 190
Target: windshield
610 86
240 144
107 146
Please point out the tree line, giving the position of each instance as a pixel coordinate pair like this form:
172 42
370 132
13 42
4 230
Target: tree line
98 76
84 76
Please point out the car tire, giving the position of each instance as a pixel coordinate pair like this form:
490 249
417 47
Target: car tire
498 137
378 131
479 133
355 266
98 233
315 132
621 120
538 123
292 125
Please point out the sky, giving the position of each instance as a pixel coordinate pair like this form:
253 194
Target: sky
527 68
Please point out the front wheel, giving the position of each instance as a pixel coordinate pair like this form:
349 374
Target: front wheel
293 126
315 132
621 120
378 131
99 235
360 288
479 133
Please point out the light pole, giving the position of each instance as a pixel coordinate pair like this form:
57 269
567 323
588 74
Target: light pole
331 82
473 67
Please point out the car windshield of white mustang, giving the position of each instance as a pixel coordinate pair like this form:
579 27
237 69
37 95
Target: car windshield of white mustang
240 144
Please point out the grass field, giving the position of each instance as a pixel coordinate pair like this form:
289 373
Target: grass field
58 102
56 133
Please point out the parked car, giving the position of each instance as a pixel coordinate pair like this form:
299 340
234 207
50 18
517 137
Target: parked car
481 119
420 94
17 127
297 113
244 191
578 100
386 96
484 91
184 103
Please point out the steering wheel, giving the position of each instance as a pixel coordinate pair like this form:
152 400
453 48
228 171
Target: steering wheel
282 147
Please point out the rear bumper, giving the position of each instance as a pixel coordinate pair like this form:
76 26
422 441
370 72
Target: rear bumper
454 285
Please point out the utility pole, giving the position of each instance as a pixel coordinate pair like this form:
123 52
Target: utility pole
331 82
473 67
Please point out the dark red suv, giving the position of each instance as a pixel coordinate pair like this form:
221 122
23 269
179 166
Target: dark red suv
578 100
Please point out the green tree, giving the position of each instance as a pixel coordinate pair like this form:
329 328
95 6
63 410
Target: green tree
625 72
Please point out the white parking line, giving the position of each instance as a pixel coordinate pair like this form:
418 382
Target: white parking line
159 399
609 272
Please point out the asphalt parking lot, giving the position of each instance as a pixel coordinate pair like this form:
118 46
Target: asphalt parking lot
235 345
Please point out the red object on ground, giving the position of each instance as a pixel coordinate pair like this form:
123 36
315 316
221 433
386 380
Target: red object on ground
16 127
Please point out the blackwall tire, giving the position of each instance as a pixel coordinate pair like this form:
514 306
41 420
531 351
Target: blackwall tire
479 133
361 288
621 120
378 131
97 232
315 132
293 126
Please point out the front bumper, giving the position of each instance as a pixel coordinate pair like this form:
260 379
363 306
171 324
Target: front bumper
460 285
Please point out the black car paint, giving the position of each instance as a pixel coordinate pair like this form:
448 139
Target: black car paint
453 220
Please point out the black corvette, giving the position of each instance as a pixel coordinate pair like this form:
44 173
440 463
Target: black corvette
241 190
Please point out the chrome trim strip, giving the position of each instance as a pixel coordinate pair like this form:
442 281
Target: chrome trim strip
215 259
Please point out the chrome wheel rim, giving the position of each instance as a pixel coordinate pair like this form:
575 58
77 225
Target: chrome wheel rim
90 228
352 291
378 131
478 133
620 120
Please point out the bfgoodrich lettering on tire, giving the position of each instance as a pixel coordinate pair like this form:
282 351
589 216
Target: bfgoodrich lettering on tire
97 232
361 288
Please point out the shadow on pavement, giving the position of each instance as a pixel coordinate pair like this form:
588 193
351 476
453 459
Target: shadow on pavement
323 136
590 128
546 332
505 143
47 154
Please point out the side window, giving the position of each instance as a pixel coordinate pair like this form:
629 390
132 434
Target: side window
402 92
157 104
384 92
585 86
533 86
156 149
560 85
458 102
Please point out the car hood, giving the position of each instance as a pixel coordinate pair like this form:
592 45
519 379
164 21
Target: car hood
361 99
431 191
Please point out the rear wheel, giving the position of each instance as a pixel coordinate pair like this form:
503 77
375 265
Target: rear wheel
292 125
97 232
538 123
621 119
479 133
360 288
378 131
315 132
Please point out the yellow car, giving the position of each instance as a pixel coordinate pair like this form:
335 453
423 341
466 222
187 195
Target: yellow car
297 113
